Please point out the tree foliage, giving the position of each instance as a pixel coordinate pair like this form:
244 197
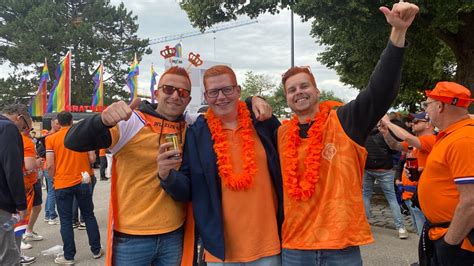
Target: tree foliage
94 31
256 84
441 40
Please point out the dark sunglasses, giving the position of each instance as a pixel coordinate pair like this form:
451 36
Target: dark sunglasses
168 89
418 121
225 90
26 126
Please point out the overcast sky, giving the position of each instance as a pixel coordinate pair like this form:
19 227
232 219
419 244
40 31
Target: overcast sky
263 48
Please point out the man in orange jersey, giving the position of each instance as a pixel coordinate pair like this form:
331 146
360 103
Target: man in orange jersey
71 171
230 172
322 157
422 143
446 186
103 164
147 223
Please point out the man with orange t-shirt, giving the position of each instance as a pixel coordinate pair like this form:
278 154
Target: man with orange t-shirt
446 186
230 172
72 171
422 144
322 157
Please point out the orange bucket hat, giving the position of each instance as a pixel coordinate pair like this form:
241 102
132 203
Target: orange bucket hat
451 93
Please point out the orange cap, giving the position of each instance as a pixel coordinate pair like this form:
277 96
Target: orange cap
451 93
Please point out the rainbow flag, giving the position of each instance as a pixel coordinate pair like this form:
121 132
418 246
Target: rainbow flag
153 83
39 103
60 95
132 78
98 92
179 50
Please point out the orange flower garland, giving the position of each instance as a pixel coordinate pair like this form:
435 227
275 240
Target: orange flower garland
303 188
221 148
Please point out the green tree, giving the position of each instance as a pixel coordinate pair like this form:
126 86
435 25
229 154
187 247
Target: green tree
355 32
278 101
256 84
94 31
329 95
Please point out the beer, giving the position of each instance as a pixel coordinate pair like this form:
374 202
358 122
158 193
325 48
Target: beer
173 138
412 165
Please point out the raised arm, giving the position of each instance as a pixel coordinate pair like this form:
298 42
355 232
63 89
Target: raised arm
401 133
389 139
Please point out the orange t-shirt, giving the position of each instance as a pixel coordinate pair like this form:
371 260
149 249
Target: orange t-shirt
449 164
334 216
68 164
102 152
29 150
249 216
421 154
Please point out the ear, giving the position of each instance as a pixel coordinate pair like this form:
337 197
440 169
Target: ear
157 95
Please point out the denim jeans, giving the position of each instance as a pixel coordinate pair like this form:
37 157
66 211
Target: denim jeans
386 181
349 256
265 261
160 250
9 251
417 217
50 205
75 206
65 198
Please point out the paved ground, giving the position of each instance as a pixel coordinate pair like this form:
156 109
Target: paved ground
387 249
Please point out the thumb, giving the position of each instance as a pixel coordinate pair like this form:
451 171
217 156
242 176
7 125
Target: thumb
135 103
385 10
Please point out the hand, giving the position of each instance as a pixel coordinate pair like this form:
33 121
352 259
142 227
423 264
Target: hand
398 182
385 119
118 111
383 128
401 16
165 160
261 109
23 214
39 162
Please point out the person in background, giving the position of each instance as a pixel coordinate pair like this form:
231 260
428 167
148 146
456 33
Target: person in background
50 213
103 164
13 120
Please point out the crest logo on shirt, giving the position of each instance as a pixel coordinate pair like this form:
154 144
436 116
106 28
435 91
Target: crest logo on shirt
329 151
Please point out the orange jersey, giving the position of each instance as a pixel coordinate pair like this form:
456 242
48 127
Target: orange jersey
449 164
334 216
421 154
68 164
29 151
255 236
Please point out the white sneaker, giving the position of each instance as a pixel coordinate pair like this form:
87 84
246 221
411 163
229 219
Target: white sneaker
99 254
63 261
53 221
24 245
402 233
32 236
46 219
25 260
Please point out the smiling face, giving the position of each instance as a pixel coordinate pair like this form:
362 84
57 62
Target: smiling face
172 106
223 106
302 95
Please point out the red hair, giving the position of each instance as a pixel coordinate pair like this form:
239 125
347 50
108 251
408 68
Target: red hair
179 71
296 70
220 70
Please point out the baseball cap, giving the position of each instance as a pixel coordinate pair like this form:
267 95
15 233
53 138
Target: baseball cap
451 93
420 116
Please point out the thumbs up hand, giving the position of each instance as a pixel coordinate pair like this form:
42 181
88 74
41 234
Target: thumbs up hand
118 111
401 16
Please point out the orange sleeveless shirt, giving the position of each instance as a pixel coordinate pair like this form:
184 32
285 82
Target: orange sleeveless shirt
334 216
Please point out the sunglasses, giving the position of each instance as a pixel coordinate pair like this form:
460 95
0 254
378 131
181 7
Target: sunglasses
168 89
425 104
26 126
225 90
418 121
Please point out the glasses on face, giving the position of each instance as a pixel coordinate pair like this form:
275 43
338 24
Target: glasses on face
168 89
425 104
26 127
418 121
225 90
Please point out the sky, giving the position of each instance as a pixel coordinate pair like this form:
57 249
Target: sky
263 47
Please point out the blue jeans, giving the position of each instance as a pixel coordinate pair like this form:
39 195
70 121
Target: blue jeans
349 256
386 181
265 261
65 198
75 206
159 250
50 205
417 216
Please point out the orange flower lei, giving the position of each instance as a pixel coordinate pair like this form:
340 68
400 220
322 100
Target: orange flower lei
221 147
303 188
